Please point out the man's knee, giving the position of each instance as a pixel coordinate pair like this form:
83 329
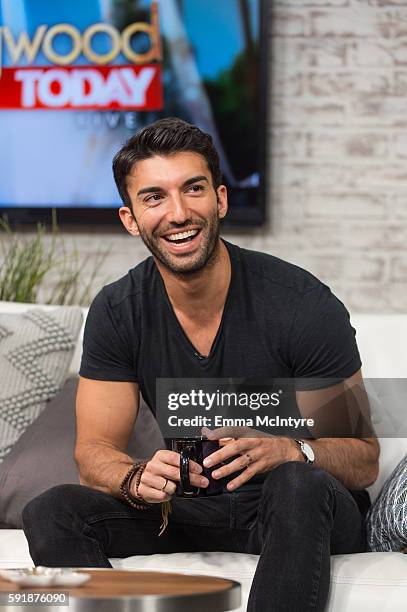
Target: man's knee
295 479
58 501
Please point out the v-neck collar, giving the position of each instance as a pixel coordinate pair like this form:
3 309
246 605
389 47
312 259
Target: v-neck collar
202 359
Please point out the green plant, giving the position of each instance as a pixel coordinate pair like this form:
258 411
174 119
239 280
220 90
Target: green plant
27 263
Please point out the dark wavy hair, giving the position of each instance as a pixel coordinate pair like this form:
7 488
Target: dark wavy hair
164 137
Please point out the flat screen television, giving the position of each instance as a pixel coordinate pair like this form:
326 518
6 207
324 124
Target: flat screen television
79 77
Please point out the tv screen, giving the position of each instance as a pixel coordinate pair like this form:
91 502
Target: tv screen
77 79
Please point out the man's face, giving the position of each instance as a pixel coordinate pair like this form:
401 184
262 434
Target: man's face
176 210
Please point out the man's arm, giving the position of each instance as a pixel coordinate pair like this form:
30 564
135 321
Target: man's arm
343 407
105 414
353 461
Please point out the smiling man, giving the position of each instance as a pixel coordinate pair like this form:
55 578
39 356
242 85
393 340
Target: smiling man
178 251
202 307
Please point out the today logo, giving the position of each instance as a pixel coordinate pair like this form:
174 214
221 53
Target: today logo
82 88
136 85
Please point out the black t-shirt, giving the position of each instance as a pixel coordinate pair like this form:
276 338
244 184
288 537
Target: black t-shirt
279 321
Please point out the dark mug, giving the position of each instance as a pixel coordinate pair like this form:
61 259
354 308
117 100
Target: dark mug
197 449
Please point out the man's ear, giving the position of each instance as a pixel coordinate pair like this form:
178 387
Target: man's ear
128 220
222 197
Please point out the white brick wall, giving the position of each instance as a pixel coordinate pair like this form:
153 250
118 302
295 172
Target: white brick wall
339 148
338 158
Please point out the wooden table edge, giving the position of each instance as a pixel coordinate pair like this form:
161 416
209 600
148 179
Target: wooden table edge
221 600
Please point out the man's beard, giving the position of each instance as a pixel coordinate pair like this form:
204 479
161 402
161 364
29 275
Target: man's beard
187 263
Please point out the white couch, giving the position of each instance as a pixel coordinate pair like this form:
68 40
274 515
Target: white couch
376 582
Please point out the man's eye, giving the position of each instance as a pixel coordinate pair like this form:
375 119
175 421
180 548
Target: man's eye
156 197
195 188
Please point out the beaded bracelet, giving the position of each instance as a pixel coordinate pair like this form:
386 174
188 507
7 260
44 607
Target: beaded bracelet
135 501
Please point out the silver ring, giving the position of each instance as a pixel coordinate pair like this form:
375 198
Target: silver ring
249 458
165 484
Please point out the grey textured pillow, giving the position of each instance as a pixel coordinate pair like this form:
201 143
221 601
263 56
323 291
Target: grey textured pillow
36 348
387 519
43 456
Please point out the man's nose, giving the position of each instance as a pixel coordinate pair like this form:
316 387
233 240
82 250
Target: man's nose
178 212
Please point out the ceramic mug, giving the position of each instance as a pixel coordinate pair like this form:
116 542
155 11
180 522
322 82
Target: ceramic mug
197 449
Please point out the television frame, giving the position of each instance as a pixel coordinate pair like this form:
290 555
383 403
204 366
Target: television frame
238 217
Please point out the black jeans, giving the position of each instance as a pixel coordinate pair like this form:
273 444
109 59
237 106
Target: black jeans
295 520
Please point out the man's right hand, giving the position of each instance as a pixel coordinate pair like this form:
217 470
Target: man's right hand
164 465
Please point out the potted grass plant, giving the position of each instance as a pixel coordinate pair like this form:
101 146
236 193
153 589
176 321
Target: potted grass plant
43 266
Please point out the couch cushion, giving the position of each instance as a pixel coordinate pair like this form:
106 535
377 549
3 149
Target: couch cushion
368 581
43 456
36 348
387 519
392 451
20 307
381 340
14 549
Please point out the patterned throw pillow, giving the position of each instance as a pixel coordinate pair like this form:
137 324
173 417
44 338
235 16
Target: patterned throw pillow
387 519
36 348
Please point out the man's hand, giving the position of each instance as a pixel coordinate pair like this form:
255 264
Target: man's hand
159 479
259 452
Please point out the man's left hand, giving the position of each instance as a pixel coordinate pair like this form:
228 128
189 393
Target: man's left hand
259 452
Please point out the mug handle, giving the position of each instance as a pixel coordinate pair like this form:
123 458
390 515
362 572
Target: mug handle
184 473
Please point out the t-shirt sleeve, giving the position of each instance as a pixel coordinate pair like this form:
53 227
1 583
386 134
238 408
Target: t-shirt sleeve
106 349
322 342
